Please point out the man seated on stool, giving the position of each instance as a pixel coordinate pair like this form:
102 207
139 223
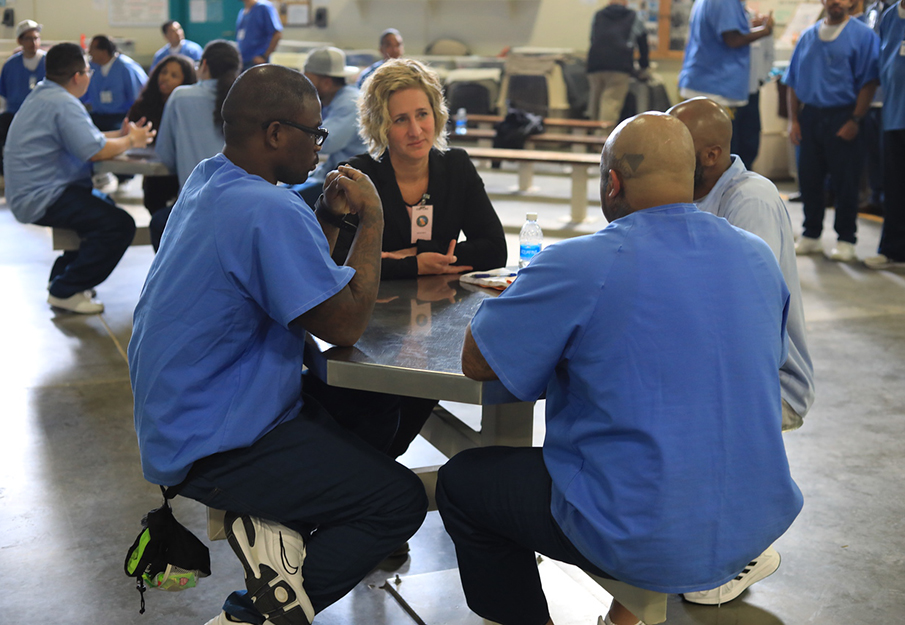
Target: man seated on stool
20 74
327 70
117 82
725 188
49 151
216 360
176 44
658 341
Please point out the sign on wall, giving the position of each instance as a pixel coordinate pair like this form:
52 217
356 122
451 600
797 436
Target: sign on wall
138 12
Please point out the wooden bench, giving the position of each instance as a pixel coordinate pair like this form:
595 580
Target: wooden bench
526 160
575 126
579 142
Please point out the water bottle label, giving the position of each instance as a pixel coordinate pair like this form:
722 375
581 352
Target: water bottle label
528 250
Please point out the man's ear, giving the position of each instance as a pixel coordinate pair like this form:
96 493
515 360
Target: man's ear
711 155
273 134
615 184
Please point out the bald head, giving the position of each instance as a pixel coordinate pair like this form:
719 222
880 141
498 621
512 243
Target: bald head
648 160
707 121
711 130
263 94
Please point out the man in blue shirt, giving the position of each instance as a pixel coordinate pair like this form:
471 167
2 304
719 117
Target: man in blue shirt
116 84
658 341
49 152
717 59
391 47
176 44
244 272
831 77
891 252
327 70
20 74
258 31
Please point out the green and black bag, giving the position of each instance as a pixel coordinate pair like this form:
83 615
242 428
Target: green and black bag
165 554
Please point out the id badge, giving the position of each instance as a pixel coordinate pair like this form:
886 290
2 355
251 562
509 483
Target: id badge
422 222
902 49
240 34
106 97
32 81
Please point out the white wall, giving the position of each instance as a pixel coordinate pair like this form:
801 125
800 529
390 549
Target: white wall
487 26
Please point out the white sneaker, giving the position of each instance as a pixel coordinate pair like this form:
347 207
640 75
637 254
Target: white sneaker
605 620
882 261
81 303
272 556
844 252
807 245
106 182
762 566
224 619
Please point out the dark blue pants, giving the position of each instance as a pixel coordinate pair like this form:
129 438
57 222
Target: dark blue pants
311 474
746 131
105 231
892 240
822 153
872 127
495 504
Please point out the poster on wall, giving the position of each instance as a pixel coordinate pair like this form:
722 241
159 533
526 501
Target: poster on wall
138 12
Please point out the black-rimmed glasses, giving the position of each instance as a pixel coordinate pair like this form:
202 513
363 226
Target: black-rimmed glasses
319 134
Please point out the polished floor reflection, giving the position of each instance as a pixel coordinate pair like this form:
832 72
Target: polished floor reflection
72 494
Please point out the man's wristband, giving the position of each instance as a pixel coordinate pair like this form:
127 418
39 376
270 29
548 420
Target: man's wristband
337 221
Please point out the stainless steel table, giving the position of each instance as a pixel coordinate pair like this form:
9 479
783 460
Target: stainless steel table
413 347
136 161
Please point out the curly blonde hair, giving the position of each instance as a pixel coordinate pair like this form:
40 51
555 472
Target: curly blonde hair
373 104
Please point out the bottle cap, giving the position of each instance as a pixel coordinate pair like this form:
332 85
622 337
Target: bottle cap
531 216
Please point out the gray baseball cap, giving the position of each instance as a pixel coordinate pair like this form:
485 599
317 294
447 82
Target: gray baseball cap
26 25
329 61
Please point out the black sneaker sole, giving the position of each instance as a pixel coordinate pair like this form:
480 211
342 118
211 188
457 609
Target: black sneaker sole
261 590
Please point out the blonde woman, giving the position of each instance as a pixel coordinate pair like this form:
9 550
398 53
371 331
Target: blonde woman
431 193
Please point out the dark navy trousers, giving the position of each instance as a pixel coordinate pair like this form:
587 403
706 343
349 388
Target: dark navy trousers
823 153
892 240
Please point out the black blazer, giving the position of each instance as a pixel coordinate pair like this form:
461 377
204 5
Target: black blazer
460 206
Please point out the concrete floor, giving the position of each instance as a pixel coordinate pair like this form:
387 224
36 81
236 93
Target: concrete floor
72 495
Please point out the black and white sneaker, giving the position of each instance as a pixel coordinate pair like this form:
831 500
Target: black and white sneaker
760 567
272 556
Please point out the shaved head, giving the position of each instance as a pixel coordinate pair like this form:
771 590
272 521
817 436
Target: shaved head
711 130
263 94
648 160
707 121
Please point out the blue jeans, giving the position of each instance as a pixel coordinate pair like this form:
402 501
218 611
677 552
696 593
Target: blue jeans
105 230
822 153
495 504
351 503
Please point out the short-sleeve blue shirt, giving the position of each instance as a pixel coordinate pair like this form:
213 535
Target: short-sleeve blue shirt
188 133
17 81
213 362
658 341
255 29
710 66
118 90
827 74
48 148
186 48
892 68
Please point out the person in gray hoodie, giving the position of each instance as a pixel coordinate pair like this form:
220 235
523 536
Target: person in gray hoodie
611 59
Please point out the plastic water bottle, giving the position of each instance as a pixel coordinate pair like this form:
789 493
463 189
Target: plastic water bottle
529 240
461 121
